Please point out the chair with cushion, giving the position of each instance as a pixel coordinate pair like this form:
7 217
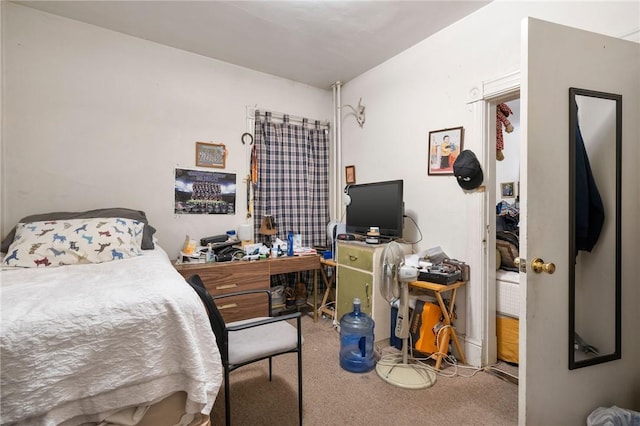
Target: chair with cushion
247 341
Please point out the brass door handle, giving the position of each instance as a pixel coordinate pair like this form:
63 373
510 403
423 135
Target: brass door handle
521 264
538 266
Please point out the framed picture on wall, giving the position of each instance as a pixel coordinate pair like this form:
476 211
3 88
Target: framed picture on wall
444 147
211 155
204 192
508 189
350 175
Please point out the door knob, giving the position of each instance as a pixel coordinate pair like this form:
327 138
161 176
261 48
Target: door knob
538 266
521 264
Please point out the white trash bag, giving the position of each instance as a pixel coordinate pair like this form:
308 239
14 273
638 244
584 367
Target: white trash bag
613 416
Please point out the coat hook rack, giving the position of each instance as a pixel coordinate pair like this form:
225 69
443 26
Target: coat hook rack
359 112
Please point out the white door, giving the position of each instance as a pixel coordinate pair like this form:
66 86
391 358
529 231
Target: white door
555 58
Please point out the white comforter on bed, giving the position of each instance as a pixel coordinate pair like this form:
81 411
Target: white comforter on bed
86 339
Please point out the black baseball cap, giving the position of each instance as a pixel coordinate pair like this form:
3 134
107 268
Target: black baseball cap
467 170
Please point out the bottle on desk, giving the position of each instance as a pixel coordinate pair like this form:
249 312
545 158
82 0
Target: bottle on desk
211 256
290 243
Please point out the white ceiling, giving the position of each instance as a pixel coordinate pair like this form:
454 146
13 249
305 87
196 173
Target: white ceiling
313 42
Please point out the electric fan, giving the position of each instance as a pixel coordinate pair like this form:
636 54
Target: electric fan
394 369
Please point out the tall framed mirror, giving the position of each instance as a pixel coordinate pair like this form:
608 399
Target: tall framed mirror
595 142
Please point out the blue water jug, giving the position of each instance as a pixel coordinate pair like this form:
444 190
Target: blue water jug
356 340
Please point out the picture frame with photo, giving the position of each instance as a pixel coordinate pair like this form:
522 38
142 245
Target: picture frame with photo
444 147
350 175
204 192
508 189
211 155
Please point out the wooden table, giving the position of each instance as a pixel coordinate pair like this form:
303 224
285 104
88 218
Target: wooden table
243 275
448 314
308 262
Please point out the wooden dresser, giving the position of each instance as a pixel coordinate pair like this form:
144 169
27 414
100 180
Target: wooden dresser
230 277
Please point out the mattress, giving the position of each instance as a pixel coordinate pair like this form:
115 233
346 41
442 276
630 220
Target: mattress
167 412
508 293
80 343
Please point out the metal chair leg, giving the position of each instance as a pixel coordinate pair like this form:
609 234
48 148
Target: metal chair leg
227 402
299 375
300 387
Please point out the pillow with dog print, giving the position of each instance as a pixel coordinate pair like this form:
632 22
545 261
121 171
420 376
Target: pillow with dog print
147 235
74 241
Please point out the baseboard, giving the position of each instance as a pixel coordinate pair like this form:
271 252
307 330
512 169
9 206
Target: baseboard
472 350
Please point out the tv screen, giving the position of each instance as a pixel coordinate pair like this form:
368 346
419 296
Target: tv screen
376 204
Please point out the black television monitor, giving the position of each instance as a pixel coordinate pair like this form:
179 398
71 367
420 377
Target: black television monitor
378 204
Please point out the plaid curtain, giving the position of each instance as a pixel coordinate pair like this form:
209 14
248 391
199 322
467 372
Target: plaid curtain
292 179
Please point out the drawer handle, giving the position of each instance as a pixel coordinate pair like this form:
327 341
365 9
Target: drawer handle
224 287
228 306
366 291
353 258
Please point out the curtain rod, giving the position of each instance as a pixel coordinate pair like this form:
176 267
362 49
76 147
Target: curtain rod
292 118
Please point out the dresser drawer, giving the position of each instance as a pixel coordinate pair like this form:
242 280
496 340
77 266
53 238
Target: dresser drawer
236 277
235 308
355 256
223 278
231 277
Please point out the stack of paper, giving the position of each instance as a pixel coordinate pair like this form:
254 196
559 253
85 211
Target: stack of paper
302 251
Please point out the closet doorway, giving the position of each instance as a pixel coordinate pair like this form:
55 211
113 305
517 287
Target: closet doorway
504 220
498 176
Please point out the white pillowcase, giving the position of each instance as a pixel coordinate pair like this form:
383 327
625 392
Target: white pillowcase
74 241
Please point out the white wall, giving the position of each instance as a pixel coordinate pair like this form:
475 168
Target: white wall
95 118
426 88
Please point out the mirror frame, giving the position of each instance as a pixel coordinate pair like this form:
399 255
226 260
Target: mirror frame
573 116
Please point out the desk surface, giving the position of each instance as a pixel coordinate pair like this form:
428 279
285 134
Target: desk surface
279 265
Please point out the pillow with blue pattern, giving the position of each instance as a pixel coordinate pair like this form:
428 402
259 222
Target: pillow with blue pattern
74 241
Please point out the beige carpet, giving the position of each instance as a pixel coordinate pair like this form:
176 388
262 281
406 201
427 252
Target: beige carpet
333 396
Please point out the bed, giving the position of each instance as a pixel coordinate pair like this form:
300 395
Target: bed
507 282
86 340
